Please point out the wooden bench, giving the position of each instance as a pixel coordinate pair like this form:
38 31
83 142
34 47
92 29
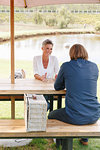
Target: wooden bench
55 129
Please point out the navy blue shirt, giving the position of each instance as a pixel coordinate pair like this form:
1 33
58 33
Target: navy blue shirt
79 77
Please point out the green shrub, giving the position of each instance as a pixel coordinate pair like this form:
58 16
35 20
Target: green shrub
62 23
51 21
4 17
97 26
38 18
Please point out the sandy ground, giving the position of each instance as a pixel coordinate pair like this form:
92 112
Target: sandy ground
5 27
22 30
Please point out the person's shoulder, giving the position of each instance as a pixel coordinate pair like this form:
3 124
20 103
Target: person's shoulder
65 64
91 63
37 57
53 57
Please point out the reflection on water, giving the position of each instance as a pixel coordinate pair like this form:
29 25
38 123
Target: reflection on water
27 49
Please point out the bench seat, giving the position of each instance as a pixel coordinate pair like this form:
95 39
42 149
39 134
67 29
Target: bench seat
16 129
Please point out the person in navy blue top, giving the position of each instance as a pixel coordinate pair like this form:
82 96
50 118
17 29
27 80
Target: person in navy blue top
79 77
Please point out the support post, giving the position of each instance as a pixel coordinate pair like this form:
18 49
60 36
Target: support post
67 144
12 107
59 102
51 102
12 40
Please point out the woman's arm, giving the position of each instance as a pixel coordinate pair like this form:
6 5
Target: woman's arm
36 70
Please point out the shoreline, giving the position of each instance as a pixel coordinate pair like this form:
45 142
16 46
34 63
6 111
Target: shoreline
30 34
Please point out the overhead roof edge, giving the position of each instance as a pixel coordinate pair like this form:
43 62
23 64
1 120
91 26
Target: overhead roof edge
34 3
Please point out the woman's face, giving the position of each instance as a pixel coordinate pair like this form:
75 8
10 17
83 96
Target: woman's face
47 49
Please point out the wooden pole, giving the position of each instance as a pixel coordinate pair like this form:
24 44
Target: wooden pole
12 56
12 40
25 4
12 107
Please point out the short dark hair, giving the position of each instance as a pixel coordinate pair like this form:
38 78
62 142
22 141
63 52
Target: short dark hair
47 41
78 51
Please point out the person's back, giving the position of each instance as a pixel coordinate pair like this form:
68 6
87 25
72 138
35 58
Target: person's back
81 83
79 77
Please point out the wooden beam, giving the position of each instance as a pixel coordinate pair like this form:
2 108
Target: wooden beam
12 40
17 97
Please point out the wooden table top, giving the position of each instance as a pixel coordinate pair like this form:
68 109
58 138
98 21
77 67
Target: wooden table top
55 128
33 86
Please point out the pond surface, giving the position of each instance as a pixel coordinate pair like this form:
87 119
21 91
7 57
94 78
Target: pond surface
27 49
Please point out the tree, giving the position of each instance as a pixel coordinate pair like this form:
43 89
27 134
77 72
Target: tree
64 18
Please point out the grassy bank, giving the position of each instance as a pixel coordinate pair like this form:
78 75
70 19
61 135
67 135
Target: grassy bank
31 33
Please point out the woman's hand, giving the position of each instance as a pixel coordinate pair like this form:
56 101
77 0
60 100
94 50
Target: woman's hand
44 77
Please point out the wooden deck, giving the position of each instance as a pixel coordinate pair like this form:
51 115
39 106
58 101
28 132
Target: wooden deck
16 128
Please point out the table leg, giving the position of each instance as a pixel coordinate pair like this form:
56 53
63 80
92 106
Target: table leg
12 107
51 102
67 144
59 103
58 143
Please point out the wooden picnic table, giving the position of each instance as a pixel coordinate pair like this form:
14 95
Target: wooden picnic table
24 86
55 129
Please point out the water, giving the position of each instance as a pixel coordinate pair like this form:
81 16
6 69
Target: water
27 49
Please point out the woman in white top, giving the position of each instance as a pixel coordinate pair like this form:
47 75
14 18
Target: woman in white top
46 66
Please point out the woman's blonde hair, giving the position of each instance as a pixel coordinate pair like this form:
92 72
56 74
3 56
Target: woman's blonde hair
78 51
